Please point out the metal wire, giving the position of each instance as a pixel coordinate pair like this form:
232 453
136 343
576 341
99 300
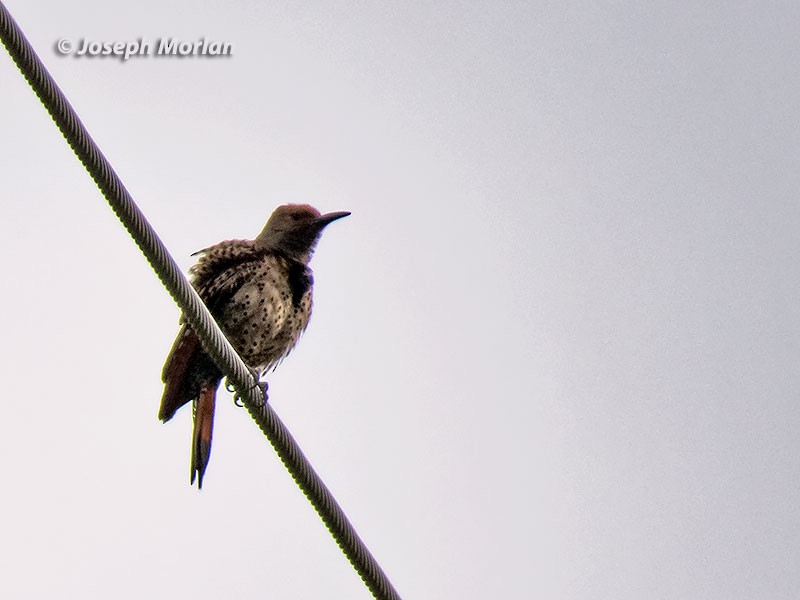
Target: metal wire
194 311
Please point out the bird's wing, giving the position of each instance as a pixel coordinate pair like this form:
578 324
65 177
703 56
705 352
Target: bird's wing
180 385
222 269
216 276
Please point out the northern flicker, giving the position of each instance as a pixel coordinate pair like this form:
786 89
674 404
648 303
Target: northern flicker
259 291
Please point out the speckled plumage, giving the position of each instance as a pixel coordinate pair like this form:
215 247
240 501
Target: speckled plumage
262 312
260 292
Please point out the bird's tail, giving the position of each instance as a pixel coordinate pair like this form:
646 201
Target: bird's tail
203 430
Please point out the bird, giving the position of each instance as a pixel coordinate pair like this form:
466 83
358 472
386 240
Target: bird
260 293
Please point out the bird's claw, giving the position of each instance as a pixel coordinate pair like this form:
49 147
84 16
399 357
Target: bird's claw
232 389
237 397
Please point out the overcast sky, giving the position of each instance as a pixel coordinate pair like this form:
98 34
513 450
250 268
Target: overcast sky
555 348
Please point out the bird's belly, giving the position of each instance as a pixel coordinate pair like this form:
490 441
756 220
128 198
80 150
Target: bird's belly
263 323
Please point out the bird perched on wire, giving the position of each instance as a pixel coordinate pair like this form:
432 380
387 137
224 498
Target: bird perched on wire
260 293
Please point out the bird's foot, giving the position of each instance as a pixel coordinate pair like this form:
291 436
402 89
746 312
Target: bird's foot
237 397
264 387
261 385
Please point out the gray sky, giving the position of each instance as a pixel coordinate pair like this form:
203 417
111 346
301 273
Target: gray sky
555 349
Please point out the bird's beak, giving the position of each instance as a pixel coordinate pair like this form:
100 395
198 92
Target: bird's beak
330 217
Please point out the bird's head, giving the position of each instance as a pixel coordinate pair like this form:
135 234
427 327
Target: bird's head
294 230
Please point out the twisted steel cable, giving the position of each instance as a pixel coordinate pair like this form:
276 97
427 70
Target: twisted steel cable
194 310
